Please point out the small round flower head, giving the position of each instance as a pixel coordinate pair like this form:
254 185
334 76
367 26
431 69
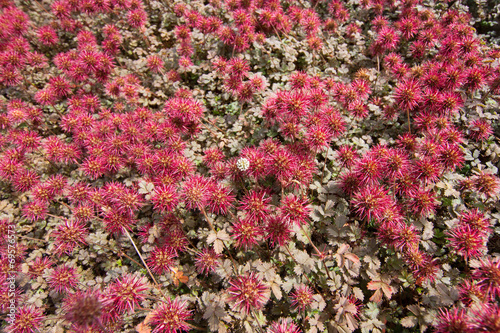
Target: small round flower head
137 18
84 309
283 326
207 261
27 319
220 199
347 156
242 164
486 183
170 317
467 241
278 230
165 198
69 236
126 292
194 192
470 290
407 95
371 202
255 204
247 233
454 320
212 156
161 259
47 36
63 278
488 275
248 293
155 63
480 130
35 210
422 202
487 318
301 297
295 209
476 220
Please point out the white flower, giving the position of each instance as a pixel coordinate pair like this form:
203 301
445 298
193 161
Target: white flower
243 164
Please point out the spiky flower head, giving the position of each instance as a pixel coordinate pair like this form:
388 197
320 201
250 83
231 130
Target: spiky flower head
248 293
488 275
480 130
69 236
162 259
28 319
301 297
467 241
84 309
454 320
247 233
207 260
278 230
283 326
295 208
126 292
170 317
63 278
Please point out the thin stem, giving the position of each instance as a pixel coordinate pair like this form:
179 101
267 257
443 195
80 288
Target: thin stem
144 262
320 254
409 123
255 318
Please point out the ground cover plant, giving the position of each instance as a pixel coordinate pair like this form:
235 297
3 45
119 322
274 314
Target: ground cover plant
249 166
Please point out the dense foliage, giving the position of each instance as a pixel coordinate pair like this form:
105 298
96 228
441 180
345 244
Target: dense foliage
248 166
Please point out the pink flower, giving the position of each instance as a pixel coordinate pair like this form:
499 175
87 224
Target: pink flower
248 293
47 36
170 317
255 204
28 319
165 198
466 241
247 233
296 209
126 292
454 320
70 236
278 230
371 202
63 278
302 297
161 259
480 130
283 326
408 94
207 261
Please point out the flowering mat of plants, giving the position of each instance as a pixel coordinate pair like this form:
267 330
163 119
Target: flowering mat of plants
248 166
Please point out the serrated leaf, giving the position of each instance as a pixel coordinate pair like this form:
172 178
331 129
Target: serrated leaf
358 293
409 321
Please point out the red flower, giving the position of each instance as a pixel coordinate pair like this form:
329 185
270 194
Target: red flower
408 95
195 192
371 202
170 317
480 130
161 259
247 233
70 236
488 276
486 183
466 241
63 278
248 293
165 198
84 309
207 261
283 326
302 297
28 319
126 292
278 230
295 209
454 320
